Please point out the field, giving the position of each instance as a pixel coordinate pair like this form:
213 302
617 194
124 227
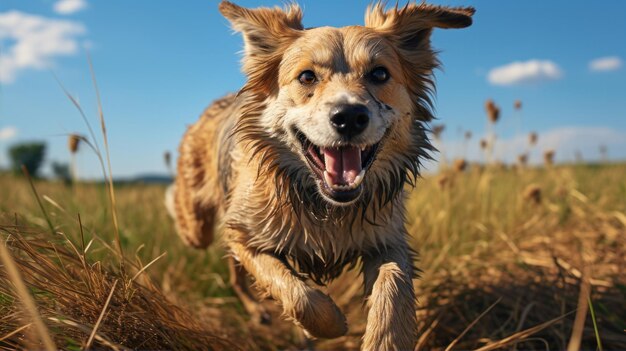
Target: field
511 259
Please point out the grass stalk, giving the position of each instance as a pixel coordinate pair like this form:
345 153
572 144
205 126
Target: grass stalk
108 158
26 298
520 336
455 341
96 148
595 324
104 309
581 312
34 190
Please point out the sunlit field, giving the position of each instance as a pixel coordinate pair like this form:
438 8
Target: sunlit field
518 215
524 258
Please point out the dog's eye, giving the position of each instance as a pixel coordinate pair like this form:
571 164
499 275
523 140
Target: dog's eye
379 75
307 78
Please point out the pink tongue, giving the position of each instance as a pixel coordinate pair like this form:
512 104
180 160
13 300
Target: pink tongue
342 164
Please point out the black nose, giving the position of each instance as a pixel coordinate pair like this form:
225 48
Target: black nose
350 120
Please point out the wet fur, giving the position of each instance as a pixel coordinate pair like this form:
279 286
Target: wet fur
240 167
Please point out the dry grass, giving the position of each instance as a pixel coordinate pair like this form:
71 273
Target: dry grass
499 271
87 303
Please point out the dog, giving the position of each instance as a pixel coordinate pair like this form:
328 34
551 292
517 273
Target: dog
304 169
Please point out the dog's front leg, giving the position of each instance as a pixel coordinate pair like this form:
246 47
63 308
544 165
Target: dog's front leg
391 322
310 308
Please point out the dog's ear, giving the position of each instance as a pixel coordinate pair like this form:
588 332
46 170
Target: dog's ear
408 28
412 18
267 32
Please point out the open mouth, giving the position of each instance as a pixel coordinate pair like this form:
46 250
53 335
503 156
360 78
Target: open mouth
340 170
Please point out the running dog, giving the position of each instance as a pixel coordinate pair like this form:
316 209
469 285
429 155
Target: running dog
304 169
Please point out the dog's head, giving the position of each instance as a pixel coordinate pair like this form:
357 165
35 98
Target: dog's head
347 102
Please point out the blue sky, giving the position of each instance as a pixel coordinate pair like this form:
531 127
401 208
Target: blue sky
159 63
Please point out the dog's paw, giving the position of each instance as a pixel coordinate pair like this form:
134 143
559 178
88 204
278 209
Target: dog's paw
318 315
260 315
197 241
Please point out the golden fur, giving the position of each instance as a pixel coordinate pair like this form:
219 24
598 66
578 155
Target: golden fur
242 165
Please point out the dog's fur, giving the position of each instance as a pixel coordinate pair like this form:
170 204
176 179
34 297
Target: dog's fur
243 164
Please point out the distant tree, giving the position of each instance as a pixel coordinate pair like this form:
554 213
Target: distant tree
30 154
61 171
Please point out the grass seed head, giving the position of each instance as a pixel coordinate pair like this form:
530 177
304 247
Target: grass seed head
494 115
522 159
548 157
437 130
532 194
604 152
167 158
460 165
532 138
73 143
483 144
489 104
443 181
493 111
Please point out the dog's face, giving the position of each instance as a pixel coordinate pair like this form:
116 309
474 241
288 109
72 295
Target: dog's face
344 101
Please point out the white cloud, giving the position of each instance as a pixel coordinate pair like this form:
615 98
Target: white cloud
518 72
68 7
569 139
33 42
566 141
603 64
7 133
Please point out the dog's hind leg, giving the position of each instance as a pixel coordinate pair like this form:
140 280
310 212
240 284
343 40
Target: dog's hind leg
197 193
195 222
250 303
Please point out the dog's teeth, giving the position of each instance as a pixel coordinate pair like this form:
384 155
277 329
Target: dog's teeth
343 187
327 178
358 180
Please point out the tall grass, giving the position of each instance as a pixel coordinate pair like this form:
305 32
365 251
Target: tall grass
481 239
